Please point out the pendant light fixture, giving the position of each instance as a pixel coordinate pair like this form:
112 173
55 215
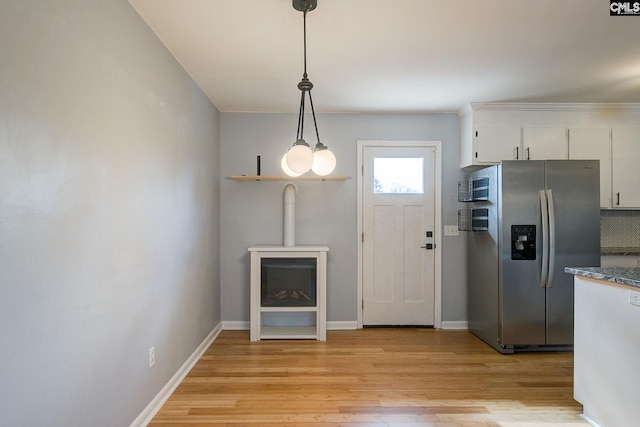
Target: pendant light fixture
300 158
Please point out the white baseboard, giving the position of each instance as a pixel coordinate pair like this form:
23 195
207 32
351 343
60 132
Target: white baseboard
245 326
455 325
342 326
239 325
156 403
589 420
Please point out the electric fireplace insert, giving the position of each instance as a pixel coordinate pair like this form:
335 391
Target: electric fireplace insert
288 282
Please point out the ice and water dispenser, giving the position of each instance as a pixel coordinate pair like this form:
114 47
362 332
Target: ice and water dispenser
523 242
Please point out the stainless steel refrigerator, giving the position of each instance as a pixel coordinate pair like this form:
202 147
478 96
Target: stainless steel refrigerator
527 221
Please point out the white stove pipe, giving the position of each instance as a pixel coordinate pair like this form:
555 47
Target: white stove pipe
289 195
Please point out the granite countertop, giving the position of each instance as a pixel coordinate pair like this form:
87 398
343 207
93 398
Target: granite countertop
621 275
628 251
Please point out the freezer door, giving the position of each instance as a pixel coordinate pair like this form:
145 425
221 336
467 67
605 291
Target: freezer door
574 187
522 299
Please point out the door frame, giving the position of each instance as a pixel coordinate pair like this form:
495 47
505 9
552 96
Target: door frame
437 145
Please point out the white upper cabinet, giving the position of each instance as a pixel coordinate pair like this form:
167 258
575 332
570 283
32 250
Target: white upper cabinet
495 143
544 143
491 132
625 159
609 132
594 144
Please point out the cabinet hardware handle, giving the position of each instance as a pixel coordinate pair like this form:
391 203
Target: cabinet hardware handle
528 157
517 153
618 199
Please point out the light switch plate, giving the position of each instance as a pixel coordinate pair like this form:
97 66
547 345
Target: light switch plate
634 298
451 230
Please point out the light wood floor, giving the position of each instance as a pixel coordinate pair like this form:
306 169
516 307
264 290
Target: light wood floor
373 378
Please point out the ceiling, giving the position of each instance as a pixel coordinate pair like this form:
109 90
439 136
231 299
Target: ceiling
401 56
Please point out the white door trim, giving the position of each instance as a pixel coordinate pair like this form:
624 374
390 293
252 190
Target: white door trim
437 145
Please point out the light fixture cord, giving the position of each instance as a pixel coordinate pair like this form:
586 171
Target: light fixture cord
300 131
304 37
313 113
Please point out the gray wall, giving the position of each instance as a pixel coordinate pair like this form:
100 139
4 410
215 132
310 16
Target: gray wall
109 231
251 212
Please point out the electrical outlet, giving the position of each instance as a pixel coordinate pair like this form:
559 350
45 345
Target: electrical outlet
152 357
634 298
451 230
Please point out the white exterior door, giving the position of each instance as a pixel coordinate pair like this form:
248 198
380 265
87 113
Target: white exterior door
398 261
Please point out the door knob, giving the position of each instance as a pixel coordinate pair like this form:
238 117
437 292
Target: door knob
428 246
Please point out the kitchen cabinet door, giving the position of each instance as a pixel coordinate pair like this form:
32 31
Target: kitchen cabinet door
625 157
495 143
594 144
545 143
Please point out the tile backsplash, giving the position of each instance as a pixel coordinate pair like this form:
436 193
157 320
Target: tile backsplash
619 229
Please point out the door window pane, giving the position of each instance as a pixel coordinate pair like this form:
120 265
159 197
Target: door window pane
398 175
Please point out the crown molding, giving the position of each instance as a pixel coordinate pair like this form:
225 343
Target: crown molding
550 106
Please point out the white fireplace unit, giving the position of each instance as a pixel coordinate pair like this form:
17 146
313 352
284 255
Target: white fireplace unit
288 292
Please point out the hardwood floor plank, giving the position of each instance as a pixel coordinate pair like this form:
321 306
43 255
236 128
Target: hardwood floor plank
374 378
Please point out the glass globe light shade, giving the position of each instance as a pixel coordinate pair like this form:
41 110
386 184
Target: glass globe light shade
299 158
324 162
286 169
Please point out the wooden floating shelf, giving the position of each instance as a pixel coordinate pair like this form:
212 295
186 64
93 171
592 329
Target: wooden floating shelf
289 178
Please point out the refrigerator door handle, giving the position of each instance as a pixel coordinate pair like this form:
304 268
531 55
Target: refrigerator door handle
552 238
545 239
